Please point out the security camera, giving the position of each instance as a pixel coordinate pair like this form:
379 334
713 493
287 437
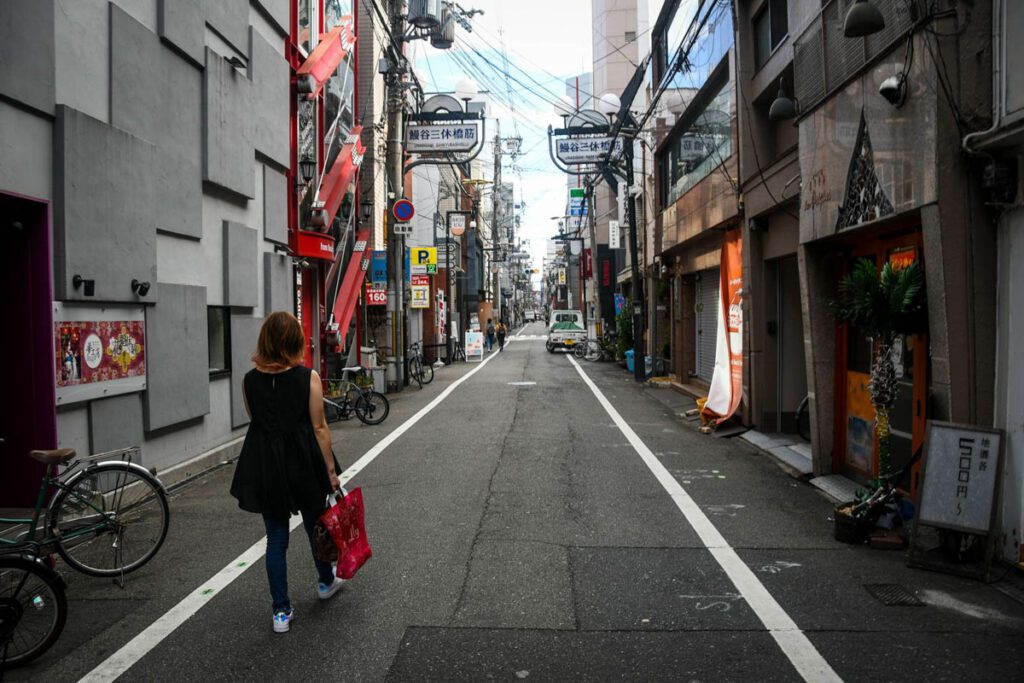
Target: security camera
894 89
140 288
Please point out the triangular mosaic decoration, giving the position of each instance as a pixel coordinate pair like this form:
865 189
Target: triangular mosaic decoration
864 199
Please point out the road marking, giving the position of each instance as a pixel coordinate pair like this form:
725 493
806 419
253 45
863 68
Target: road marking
136 648
794 643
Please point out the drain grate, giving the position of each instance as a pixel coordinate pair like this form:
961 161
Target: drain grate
893 595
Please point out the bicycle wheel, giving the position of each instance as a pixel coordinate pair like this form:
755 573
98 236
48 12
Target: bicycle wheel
580 349
110 519
803 419
592 352
426 372
372 407
416 371
33 609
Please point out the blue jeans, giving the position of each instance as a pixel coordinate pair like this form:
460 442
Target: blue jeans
490 342
277 558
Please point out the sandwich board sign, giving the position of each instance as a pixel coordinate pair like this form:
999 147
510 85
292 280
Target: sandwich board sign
474 346
959 492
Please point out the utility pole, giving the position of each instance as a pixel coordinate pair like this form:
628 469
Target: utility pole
396 244
639 366
495 224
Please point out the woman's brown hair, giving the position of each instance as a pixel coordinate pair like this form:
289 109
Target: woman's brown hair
281 343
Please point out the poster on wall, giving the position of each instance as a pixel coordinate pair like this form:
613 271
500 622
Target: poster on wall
98 352
727 380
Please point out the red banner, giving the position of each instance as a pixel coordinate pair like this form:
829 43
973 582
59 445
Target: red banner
87 352
727 381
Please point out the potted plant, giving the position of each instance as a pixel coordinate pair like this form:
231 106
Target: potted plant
884 305
624 331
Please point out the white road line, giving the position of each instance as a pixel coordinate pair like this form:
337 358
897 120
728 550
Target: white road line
136 648
794 643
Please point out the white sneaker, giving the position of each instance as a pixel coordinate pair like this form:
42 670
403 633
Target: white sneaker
323 591
283 621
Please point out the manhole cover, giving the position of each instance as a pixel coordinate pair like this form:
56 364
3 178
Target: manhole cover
893 595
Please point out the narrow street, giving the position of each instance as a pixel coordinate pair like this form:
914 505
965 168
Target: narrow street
518 533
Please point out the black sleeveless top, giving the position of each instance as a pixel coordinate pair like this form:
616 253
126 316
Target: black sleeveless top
280 470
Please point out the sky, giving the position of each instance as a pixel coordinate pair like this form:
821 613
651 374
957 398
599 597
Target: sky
545 42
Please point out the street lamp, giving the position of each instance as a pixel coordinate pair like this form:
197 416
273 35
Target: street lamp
367 206
863 19
783 107
307 169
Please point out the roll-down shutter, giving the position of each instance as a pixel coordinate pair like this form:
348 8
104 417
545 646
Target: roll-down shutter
707 322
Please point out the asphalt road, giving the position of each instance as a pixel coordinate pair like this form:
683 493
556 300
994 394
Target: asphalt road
517 534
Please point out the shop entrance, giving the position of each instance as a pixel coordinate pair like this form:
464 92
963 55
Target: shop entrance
28 417
784 345
856 454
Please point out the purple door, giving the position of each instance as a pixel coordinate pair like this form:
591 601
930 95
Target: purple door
27 409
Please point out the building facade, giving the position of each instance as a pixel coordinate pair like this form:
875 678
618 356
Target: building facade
150 164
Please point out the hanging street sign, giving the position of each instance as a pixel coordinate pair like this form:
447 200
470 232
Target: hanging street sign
586 150
614 235
423 260
403 210
379 269
441 137
420 291
376 295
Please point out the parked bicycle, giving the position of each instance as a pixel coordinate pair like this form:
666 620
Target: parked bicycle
599 349
33 605
348 399
803 419
107 518
419 369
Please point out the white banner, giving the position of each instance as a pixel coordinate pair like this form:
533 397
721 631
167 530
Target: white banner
614 235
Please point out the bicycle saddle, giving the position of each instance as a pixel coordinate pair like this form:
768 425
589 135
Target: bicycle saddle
354 368
54 457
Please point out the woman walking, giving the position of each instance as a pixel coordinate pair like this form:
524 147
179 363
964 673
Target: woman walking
286 464
502 331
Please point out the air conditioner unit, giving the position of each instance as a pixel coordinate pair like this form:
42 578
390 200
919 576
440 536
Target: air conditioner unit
425 13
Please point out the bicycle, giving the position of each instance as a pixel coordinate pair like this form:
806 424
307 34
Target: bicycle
88 520
600 349
419 369
369 406
33 605
803 419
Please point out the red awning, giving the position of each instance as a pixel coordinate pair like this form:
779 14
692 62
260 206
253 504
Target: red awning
348 293
327 55
341 175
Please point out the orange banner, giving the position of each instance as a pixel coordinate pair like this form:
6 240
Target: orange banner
727 381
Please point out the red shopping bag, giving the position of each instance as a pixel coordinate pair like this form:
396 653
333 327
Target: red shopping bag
344 522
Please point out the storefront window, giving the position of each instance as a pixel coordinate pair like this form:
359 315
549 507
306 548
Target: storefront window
697 149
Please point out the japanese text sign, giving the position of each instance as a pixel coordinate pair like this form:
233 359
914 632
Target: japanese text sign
586 150
420 291
379 267
961 463
441 137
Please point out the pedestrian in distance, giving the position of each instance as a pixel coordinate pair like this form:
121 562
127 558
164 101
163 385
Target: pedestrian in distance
490 334
286 465
501 336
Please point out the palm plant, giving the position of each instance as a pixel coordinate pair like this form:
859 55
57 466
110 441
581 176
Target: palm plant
884 306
